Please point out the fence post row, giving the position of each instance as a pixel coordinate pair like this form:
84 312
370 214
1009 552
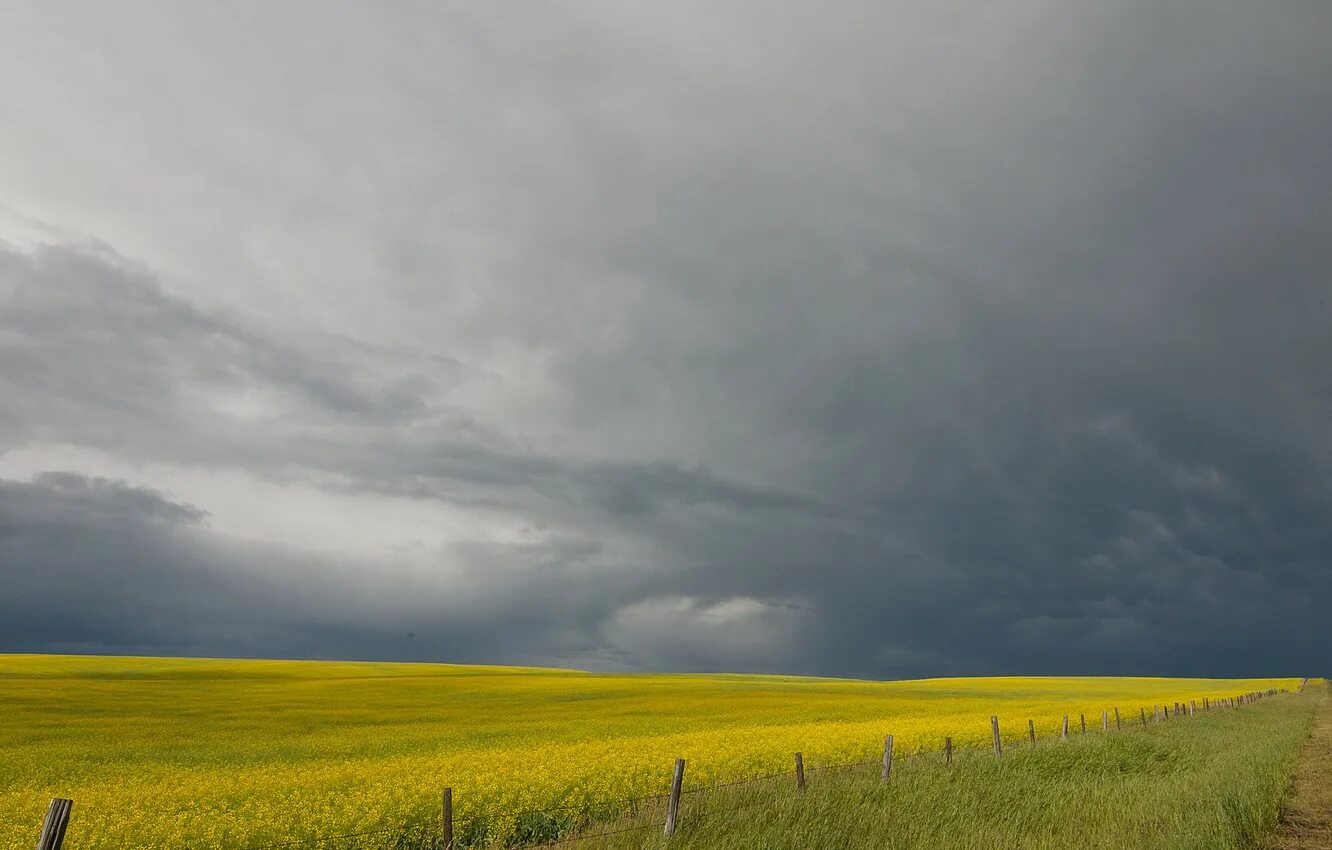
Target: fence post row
673 805
53 828
57 814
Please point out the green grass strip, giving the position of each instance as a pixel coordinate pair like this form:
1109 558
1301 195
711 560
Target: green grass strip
1211 782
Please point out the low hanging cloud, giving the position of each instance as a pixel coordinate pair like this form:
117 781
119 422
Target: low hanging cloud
893 343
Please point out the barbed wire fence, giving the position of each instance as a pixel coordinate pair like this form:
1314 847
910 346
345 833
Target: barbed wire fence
571 824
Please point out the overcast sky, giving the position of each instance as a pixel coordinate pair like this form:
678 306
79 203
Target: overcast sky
875 339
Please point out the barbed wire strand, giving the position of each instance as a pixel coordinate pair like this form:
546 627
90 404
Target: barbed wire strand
303 841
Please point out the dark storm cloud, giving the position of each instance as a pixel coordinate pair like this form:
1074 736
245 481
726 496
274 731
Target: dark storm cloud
92 564
96 353
96 565
962 341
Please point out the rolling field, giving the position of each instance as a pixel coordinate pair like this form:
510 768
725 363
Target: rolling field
217 753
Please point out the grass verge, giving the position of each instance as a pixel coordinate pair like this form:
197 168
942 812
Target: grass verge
1213 781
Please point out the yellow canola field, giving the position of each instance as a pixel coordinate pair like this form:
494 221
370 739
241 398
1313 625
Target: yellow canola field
203 753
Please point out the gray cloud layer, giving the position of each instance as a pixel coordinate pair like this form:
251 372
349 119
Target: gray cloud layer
986 339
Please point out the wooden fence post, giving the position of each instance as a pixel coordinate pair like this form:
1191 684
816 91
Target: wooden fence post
1031 731
994 728
800 772
1142 712
1083 719
446 826
1064 732
1193 707
673 805
53 828
1204 703
1105 720
887 758
948 750
1119 725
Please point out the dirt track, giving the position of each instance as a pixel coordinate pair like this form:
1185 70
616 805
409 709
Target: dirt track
1306 818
